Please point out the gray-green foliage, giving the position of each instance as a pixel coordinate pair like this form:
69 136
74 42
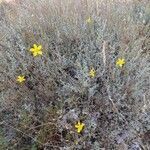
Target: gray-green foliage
58 91
3 141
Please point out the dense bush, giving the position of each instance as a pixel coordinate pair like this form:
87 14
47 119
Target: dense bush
112 102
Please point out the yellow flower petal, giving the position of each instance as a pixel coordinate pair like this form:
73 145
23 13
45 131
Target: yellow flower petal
76 126
35 54
31 49
39 47
40 52
79 130
35 46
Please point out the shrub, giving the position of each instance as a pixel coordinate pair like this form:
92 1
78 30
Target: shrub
58 89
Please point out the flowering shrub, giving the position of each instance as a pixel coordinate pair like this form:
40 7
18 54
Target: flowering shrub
110 101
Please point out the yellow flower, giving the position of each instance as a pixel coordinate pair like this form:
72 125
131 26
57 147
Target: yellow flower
120 62
36 50
89 20
79 126
21 79
92 73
